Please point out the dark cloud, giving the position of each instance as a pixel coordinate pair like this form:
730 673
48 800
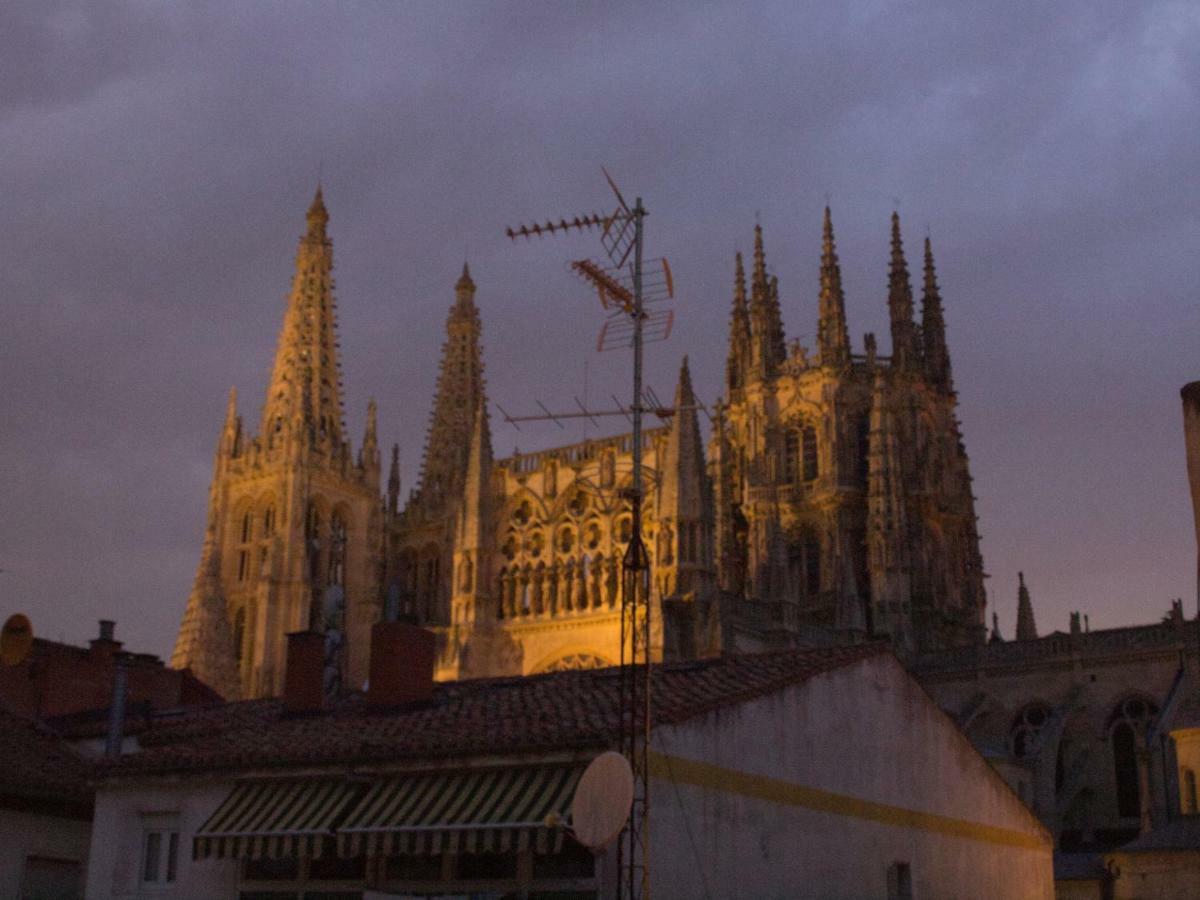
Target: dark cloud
158 159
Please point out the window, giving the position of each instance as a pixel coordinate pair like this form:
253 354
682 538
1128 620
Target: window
791 456
804 566
900 881
160 853
1129 723
1189 792
1023 736
809 441
337 549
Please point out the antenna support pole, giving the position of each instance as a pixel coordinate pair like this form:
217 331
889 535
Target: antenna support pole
636 653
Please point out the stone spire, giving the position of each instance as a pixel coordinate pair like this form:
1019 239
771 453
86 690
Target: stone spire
393 485
231 433
833 337
1026 629
906 354
368 455
205 640
473 533
683 501
767 345
682 491
306 380
933 329
739 330
473 515
460 392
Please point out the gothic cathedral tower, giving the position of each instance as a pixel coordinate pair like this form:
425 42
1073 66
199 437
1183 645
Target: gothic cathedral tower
294 529
841 487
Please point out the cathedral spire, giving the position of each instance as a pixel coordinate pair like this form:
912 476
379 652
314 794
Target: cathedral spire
833 337
933 328
905 350
1026 628
306 379
231 434
767 344
739 330
476 484
393 487
368 454
683 460
460 392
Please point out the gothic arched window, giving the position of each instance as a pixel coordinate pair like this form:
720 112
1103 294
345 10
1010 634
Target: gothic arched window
809 451
337 549
1026 727
791 456
863 467
1129 723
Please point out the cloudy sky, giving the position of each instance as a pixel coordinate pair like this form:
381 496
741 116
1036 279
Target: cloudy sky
156 161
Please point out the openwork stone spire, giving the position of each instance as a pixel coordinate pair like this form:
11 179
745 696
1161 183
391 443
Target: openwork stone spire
460 392
739 330
767 344
905 348
306 380
933 328
1026 628
832 334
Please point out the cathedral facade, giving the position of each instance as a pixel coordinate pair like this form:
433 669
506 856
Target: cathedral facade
833 504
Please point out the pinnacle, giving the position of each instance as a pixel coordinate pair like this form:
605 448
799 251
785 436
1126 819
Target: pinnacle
317 216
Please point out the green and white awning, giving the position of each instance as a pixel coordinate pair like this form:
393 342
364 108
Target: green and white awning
472 811
275 819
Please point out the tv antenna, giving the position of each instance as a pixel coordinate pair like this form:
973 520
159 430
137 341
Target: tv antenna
626 289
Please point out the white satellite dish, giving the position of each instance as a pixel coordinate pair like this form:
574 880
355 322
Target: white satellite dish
602 800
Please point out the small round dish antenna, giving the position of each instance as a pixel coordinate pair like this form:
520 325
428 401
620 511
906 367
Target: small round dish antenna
16 640
602 800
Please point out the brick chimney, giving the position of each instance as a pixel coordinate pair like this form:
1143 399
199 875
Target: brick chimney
304 677
402 659
104 646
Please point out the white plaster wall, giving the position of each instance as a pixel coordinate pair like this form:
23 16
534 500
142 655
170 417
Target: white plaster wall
867 731
24 834
113 868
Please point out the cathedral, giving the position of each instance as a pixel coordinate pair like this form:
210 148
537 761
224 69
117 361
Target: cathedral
832 503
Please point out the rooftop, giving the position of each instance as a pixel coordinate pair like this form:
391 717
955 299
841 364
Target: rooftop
37 765
573 710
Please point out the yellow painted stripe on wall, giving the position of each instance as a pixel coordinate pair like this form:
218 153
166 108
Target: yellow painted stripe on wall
760 787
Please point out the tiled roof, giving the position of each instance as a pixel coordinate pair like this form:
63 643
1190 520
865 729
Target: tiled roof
561 710
1181 834
35 764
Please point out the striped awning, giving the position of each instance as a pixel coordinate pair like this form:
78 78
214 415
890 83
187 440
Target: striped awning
479 811
275 819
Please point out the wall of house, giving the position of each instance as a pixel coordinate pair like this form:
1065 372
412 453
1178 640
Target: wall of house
26 834
122 813
1161 876
819 790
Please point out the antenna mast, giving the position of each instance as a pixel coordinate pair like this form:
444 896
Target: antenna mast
622 290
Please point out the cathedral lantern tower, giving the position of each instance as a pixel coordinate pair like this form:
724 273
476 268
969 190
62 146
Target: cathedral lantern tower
841 490
294 530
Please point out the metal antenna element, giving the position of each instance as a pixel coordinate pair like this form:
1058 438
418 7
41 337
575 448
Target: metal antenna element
625 289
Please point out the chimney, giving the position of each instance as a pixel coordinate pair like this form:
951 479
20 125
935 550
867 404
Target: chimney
107 626
304 677
402 658
1191 438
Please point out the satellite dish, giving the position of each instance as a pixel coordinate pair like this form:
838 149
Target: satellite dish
16 640
602 800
